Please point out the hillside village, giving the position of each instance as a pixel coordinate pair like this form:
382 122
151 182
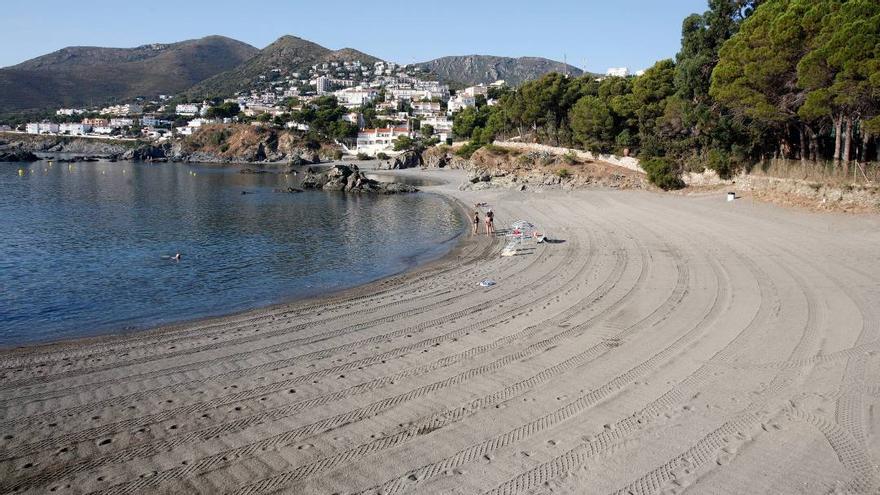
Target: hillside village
380 102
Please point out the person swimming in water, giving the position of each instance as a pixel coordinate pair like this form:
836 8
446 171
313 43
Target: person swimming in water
176 257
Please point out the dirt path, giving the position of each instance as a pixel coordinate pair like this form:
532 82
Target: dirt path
668 344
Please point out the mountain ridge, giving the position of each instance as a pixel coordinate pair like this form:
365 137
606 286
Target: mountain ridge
289 53
88 75
485 69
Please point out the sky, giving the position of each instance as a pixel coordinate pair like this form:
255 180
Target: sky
590 34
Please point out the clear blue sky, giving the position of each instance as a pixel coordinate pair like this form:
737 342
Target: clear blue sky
602 34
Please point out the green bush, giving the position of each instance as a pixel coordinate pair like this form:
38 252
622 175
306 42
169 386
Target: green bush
496 150
563 173
337 155
571 158
663 173
363 156
719 161
382 156
467 150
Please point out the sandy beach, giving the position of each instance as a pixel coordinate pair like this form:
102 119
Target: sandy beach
662 344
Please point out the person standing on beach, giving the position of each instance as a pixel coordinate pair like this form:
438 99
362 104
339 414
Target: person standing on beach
490 223
476 222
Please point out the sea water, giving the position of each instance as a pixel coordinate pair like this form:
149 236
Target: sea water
85 247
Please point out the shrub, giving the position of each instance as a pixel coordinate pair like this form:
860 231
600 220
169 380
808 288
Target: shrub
563 173
524 159
719 161
496 150
571 158
363 156
382 156
337 155
467 150
663 173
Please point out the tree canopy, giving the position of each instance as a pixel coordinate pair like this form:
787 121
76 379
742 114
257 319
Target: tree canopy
753 80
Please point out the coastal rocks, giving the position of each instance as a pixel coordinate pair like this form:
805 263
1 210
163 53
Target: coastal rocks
17 155
436 157
146 153
65 144
350 179
410 159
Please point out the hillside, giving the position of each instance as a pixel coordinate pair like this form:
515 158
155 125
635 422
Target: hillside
81 76
288 53
477 69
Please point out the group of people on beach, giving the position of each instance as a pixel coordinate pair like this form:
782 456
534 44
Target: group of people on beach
490 220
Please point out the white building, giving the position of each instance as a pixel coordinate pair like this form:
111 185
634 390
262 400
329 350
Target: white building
460 102
122 110
617 72
440 124
355 97
75 129
322 84
426 108
473 91
42 128
153 121
69 112
103 130
372 141
187 109
121 122
354 118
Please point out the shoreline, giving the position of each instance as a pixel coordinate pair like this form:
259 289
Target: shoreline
655 328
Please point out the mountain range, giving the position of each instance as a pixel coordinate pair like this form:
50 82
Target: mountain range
288 52
210 66
85 76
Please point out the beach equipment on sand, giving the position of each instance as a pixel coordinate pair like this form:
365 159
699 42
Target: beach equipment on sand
731 196
520 233
487 283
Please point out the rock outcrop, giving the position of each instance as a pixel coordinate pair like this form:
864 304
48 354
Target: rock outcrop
496 167
17 155
437 157
350 179
67 144
146 153
240 143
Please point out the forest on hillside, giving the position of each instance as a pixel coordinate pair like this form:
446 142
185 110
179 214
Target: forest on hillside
754 80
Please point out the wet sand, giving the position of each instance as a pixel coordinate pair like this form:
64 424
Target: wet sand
669 344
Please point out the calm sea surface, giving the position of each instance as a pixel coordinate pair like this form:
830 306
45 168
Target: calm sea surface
84 246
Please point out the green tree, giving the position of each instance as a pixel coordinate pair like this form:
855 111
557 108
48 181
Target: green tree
592 122
225 110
